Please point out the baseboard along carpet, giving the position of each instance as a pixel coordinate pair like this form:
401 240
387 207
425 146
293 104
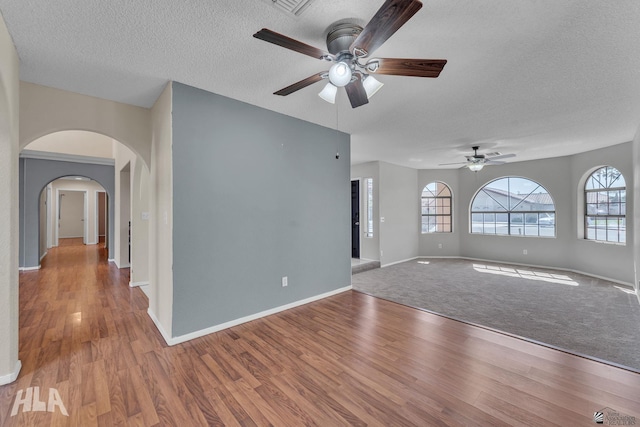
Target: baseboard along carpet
579 314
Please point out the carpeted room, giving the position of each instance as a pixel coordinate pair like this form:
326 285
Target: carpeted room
574 312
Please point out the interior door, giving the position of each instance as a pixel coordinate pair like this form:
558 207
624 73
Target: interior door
71 205
355 219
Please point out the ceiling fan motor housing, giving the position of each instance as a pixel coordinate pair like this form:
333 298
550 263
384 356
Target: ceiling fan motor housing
341 36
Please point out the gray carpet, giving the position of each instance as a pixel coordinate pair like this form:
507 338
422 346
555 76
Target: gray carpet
573 312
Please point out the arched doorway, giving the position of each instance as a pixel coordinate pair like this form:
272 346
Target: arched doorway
35 176
73 208
121 172
43 111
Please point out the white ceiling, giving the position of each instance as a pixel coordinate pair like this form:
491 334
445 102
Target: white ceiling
532 77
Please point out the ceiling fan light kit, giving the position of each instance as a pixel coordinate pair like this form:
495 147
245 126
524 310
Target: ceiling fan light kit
349 45
340 74
329 93
477 162
476 167
371 86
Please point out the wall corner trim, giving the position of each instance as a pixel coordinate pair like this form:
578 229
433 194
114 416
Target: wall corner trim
136 284
9 378
220 327
165 335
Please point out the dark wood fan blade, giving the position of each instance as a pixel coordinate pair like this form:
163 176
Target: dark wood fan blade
388 19
357 94
300 85
406 67
289 43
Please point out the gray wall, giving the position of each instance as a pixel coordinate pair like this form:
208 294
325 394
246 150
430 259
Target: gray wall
256 196
636 208
399 206
35 174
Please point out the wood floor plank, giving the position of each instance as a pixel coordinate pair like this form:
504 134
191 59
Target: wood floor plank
349 359
259 411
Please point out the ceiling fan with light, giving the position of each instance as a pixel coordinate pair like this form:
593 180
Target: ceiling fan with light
349 47
477 161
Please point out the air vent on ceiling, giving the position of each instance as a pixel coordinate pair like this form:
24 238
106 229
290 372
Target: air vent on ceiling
291 7
494 154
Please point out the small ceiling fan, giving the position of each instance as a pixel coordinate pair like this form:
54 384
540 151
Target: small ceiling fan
349 45
477 161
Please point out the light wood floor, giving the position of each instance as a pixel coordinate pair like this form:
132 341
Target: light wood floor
346 360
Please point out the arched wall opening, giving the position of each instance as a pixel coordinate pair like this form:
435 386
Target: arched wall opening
35 176
128 219
45 111
72 208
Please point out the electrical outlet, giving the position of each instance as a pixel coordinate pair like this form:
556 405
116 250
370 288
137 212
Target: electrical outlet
524 252
285 281
439 245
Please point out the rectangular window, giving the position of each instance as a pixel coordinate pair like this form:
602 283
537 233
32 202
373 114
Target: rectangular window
368 182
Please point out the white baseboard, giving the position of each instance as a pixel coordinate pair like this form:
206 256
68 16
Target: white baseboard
9 378
29 268
165 335
399 262
136 284
608 279
43 255
112 260
197 334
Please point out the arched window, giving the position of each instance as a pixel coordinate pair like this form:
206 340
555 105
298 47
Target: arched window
436 208
605 206
513 206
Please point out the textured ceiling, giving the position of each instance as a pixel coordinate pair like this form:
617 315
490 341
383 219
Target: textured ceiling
531 77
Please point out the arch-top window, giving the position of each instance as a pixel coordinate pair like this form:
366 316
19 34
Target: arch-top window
605 206
513 206
436 208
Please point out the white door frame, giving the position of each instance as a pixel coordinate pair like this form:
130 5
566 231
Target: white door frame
49 213
96 218
85 215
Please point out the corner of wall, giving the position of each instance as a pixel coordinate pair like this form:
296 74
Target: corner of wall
635 149
160 210
9 200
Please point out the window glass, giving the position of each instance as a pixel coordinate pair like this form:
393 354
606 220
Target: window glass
513 206
368 182
436 208
605 207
